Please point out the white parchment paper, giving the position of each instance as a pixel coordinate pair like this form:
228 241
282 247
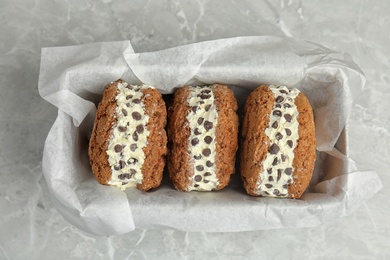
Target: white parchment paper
73 78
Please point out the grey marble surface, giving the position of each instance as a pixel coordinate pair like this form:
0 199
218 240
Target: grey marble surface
31 228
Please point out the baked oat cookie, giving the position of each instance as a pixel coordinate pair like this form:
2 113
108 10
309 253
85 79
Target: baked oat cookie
202 133
128 142
278 142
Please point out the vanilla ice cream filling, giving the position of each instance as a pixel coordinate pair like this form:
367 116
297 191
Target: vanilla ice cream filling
282 132
128 138
202 119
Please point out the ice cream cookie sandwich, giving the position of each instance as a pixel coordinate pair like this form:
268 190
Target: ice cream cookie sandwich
128 142
202 133
278 142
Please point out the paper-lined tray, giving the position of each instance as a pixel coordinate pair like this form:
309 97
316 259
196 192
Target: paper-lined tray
73 79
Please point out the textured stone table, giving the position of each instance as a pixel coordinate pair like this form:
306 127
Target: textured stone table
31 228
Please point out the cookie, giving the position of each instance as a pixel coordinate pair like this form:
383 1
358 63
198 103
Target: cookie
128 142
202 133
278 142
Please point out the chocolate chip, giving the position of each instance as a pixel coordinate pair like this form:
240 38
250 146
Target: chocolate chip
277 113
275 162
136 101
288 131
208 139
199 168
133 147
194 141
118 148
116 168
135 136
275 125
200 102
276 192
288 171
278 136
289 99
269 170
287 105
209 164
288 117
132 171
122 164
278 106
129 97
198 178
206 91
274 149
283 157
270 178
285 186
124 176
289 181
279 174
266 192
204 96
124 182
122 128
194 108
279 99
136 115
207 108
206 152
206 181
140 129
124 112
197 157
208 125
129 86
196 131
132 160
207 174
200 120
269 186
290 143
196 185
283 91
